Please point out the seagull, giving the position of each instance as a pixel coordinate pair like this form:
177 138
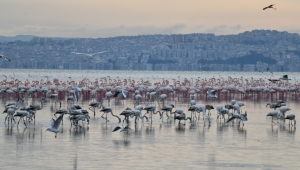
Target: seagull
5 58
90 55
54 124
212 94
119 91
125 129
270 6
75 93
284 77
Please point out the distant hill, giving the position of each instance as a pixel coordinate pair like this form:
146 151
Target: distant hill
15 38
24 38
295 52
252 58
154 61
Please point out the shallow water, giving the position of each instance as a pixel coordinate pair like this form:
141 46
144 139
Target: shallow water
162 145
23 74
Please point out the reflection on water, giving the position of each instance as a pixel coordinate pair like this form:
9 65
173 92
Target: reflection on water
226 145
161 145
124 142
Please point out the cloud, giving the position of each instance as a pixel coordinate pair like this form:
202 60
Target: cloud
237 27
217 29
224 29
88 31
198 26
139 30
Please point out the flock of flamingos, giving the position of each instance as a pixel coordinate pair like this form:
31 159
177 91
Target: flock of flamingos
145 95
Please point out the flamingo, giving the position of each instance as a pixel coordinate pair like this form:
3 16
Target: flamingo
192 101
202 108
241 117
273 113
150 108
181 117
137 113
95 105
108 110
77 118
126 113
291 117
167 108
21 114
209 107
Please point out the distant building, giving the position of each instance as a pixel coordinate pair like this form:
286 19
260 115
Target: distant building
249 67
149 67
179 38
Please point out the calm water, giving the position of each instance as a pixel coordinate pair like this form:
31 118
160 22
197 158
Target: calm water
162 145
24 74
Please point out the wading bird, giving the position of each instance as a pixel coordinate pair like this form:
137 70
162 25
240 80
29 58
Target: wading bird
21 114
242 117
108 110
291 117
95 105
167 108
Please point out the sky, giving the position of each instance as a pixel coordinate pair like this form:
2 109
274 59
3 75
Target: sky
110 18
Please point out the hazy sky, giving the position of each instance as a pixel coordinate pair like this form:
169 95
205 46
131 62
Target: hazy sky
107 18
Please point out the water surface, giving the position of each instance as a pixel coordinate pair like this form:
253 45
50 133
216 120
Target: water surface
160 145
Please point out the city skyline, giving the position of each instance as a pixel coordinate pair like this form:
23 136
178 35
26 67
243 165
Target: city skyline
121 18
249 51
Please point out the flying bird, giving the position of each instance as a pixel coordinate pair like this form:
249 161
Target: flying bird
270 6
284 77
212 94
119 91
4 57
90 55
75 93
54 124
125 129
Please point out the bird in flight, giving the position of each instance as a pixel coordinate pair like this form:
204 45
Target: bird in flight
5 58
212 94
270 6
54 124
90 55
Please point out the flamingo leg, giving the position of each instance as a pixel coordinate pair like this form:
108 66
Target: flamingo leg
24 122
